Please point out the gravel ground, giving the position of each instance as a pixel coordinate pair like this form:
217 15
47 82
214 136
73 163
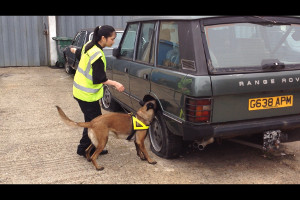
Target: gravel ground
38 148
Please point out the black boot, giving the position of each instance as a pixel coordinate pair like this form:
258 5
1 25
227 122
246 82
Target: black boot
104 151
85 143
81 151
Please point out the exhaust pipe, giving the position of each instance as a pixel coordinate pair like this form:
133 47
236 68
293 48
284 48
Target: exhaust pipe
291 136
202 144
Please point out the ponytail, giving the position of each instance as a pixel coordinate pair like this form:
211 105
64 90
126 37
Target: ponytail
99 31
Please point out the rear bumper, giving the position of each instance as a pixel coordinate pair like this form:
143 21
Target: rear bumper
197 132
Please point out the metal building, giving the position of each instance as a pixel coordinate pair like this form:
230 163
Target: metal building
26 40
22 42
69 25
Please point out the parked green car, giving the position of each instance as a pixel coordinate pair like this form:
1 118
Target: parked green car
212 77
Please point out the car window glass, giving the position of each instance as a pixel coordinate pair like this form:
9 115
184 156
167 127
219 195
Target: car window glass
249 46
117 40
75 41
145 41
128 43
152 50
168 45
81 39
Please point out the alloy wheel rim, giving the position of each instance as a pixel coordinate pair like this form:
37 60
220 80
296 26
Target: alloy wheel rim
156 135
106 98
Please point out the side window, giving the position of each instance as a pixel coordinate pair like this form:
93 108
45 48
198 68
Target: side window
144 53
127 46
75 41
168 45
81 39
117 39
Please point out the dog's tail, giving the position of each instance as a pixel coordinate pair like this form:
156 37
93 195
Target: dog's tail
69 122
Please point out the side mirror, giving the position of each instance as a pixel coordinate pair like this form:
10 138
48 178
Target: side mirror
116 52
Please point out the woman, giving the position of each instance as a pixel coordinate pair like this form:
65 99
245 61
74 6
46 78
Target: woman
90 77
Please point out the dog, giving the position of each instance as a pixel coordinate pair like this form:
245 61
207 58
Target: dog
121 124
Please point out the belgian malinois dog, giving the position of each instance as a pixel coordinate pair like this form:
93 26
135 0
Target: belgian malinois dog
121 124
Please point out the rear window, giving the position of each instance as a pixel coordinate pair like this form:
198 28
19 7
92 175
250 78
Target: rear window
248 47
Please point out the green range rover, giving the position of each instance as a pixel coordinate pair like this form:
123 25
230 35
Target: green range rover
212 77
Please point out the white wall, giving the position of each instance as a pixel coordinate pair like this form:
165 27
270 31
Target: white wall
52 43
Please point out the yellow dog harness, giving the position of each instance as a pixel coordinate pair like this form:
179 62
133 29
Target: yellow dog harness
136 121
136 125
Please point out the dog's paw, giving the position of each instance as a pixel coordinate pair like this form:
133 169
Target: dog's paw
100 168
152 162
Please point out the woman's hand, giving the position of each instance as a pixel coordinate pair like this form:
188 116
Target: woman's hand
119 87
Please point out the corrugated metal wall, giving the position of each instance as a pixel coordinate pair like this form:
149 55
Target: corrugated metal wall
22 42
68 26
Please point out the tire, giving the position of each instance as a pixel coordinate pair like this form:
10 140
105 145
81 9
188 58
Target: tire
107 101
59 64
162 142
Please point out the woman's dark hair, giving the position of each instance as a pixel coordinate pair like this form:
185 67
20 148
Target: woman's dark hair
100 31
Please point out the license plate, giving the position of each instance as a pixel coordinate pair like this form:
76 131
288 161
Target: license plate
270 102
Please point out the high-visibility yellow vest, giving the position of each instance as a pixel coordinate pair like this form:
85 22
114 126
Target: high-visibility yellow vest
83 87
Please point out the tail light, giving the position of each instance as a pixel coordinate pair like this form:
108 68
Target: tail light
198 110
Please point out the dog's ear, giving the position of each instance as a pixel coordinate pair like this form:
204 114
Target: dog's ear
150 106
142 103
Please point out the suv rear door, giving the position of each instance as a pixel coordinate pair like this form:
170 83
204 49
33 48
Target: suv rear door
254 70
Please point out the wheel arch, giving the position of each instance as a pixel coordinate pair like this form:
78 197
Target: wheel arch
149 97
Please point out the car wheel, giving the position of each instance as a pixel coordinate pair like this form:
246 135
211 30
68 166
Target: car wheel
59 64
68 68
107 101
162 142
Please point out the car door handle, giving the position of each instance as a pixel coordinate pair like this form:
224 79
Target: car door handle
145 76
126 70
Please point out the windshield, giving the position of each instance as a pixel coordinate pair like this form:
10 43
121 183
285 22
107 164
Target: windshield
251 47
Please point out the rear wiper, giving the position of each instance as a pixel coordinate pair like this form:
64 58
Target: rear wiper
272 64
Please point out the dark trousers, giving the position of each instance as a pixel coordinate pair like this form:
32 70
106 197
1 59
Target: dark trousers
90 110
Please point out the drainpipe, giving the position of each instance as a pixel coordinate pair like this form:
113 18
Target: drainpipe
52 43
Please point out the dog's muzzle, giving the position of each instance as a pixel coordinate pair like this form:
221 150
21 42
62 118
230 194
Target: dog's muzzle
150 106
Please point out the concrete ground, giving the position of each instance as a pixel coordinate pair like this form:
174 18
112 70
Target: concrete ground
36 147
